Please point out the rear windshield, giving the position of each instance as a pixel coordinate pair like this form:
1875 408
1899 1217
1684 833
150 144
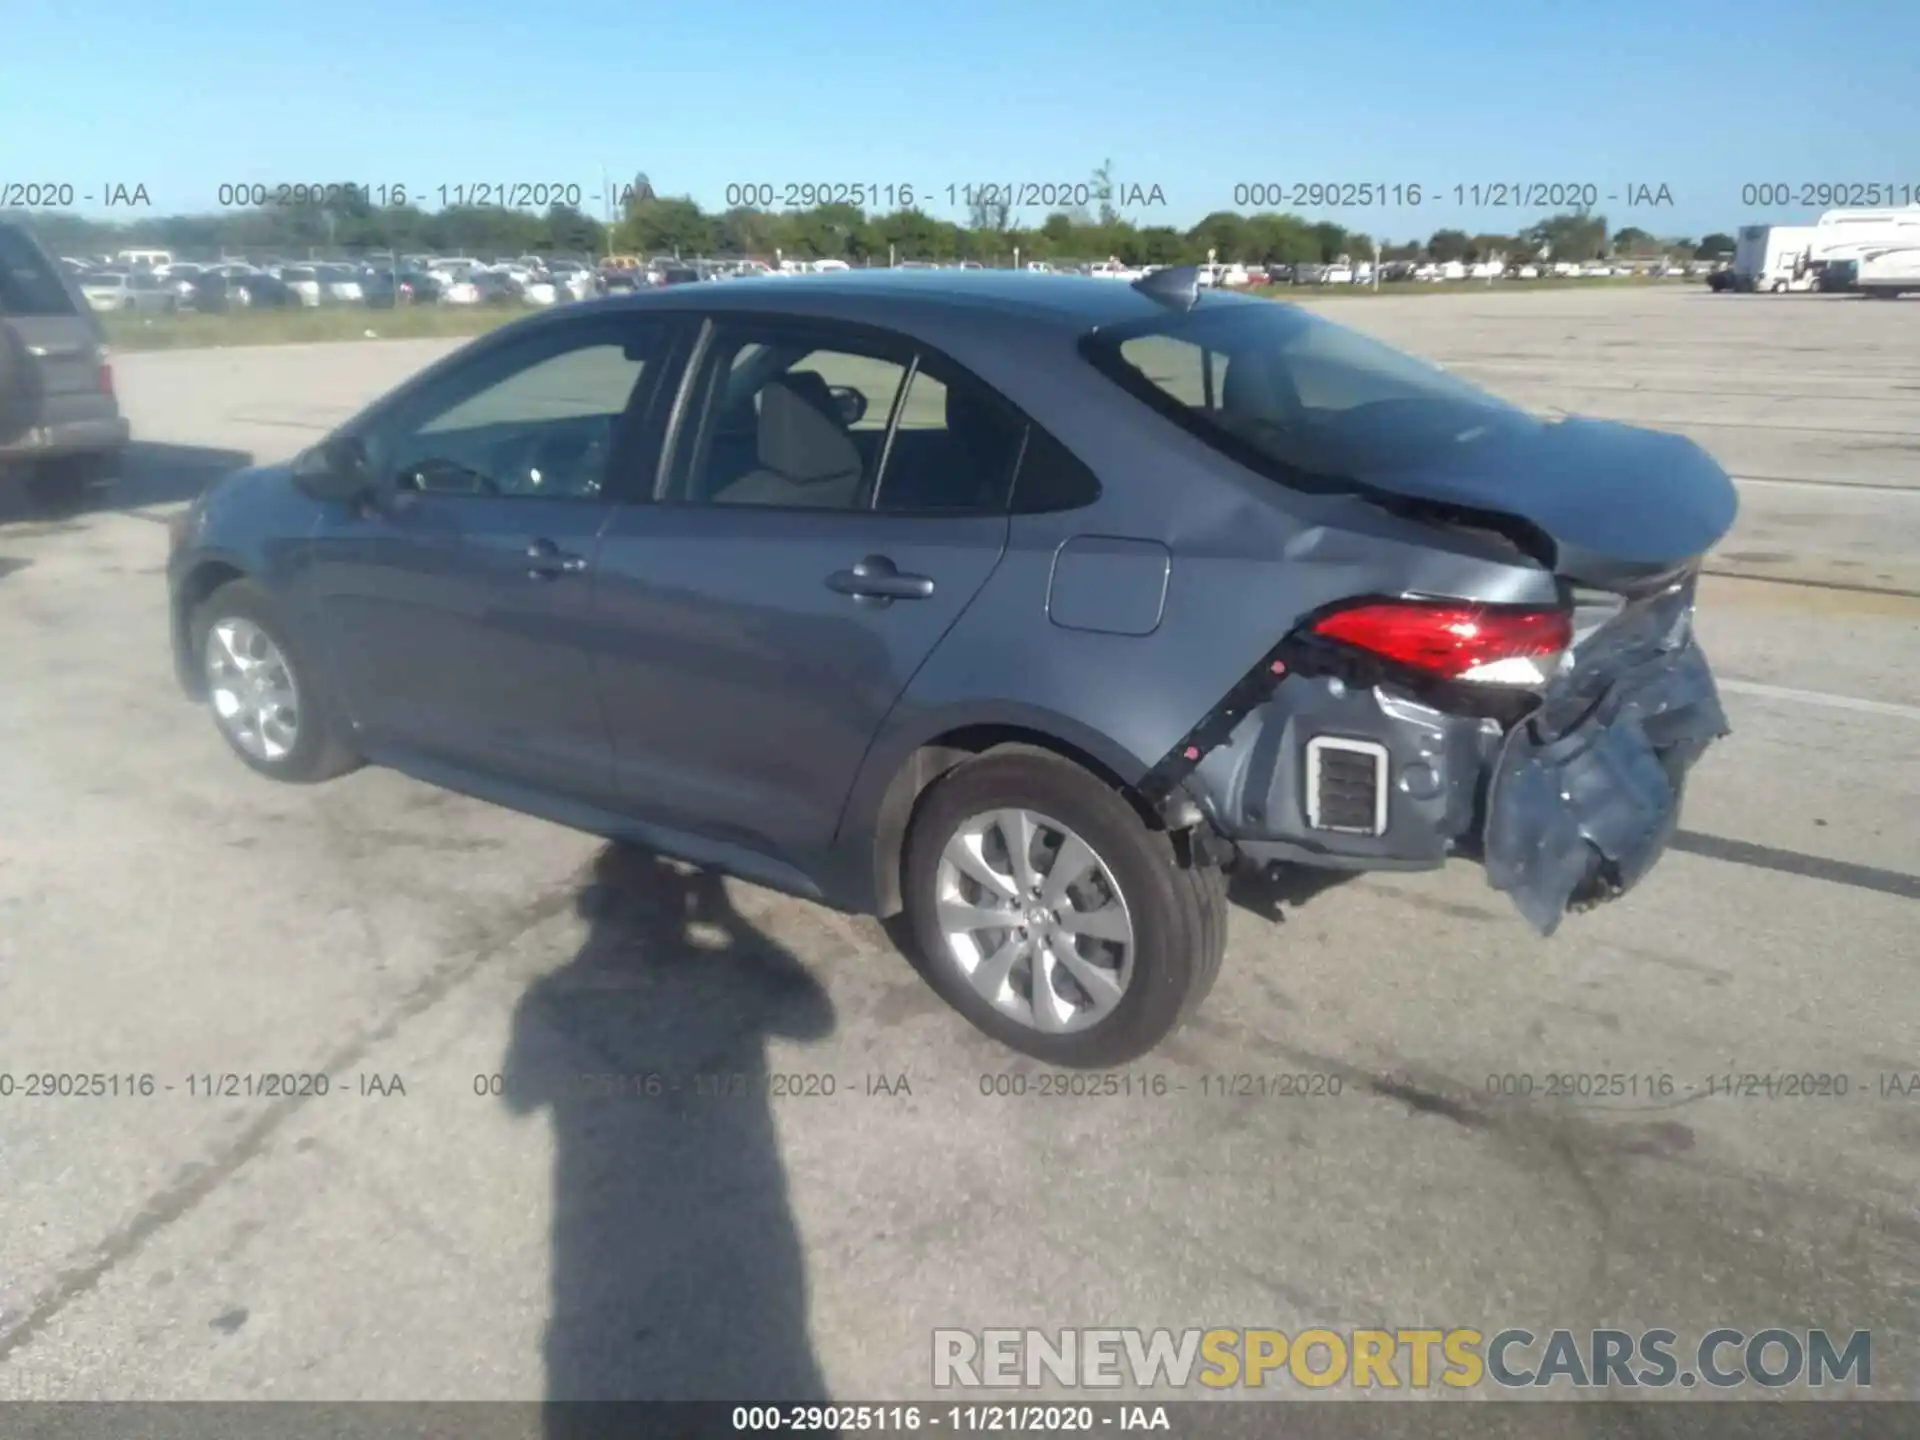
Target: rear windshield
29 285
1290 394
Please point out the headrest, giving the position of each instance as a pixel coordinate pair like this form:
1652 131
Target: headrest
799 438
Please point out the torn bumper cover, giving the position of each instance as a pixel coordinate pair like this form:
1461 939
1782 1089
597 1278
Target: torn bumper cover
1568 798
1585 794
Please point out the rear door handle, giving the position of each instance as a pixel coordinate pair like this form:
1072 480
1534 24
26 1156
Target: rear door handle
878 578
546 560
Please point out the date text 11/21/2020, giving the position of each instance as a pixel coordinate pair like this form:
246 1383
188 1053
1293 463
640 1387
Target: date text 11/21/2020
1065 195
488 194
1050 195
198 1085
1411 195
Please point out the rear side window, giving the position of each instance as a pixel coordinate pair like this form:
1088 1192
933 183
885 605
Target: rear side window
29 284
1051 477
954 448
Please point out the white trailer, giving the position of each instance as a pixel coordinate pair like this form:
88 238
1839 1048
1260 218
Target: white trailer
1775 258
1890 273
1905 220
1856 234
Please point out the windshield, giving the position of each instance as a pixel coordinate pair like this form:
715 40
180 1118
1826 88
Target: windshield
1292 395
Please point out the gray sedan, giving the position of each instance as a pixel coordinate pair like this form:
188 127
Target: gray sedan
1028 606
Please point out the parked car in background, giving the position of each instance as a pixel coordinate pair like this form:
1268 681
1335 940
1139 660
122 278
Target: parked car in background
138 290
258 290
680 275
382 289
61 430
304 281
208 293
339 285
482 287
448 268
573 277
179 277
417 287
498 288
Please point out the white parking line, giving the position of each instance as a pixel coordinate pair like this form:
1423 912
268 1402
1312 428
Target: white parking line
1820 698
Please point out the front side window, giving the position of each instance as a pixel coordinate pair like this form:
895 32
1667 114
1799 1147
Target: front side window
1293 395
784 419
533 421
787 420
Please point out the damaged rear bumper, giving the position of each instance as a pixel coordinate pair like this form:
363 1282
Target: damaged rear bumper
1586 793
1566 806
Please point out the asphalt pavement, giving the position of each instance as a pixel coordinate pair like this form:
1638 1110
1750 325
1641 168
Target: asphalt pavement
461 1215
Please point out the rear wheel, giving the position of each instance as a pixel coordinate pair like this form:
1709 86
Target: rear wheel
1050 915
269 706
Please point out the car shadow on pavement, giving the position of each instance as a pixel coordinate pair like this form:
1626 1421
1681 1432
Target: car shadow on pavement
150 474
154 474
1271 891
677 1270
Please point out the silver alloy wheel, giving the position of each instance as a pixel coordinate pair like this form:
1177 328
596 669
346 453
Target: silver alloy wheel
1034 920
251 688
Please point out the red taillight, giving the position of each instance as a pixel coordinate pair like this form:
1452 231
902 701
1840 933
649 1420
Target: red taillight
1482 643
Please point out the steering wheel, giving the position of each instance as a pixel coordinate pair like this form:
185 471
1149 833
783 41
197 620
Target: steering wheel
421 471
548 464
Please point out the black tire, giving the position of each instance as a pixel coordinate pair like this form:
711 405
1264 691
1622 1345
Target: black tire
319 751
1178 908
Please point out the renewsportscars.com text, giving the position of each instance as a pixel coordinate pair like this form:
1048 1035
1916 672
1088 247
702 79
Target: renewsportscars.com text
1458 1358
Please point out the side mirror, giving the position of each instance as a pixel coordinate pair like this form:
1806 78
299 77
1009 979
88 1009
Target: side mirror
851 404
337 469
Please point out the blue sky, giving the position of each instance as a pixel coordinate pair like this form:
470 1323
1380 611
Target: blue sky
1702 97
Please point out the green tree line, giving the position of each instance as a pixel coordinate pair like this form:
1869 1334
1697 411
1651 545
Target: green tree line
651 224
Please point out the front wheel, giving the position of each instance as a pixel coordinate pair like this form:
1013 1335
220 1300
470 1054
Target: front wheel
1053 917
269 706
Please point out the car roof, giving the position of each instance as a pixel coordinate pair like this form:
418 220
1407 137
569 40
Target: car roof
1072 303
